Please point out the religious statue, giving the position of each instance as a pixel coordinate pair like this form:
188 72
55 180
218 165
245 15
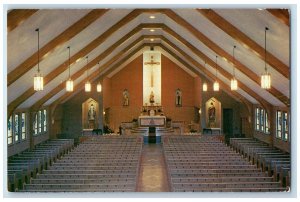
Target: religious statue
125 98
151 99
92 113
178 100
211 115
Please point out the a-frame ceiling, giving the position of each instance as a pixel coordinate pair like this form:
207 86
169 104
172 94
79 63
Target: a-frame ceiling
112 37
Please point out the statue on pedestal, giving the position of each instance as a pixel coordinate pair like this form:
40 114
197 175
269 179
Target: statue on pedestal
151 99
92 116
212 115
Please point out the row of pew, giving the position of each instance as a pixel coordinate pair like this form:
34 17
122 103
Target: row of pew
206 164
98 164
27 164
270 159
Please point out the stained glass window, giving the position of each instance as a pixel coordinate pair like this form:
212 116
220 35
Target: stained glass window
257 116
262 120
35 124
9 131
23 126
45 119
16 127
279 124
39 122
285 126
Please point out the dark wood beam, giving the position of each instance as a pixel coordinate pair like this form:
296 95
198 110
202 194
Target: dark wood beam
282 15
92 63
219 51
261 100
246 41
62 38
17 16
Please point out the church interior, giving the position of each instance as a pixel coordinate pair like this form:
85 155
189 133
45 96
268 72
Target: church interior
148 100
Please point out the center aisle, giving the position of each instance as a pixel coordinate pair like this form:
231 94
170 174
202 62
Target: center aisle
153 171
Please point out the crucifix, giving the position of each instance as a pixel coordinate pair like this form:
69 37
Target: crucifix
152 63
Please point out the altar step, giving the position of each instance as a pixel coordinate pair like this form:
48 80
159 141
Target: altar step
159 131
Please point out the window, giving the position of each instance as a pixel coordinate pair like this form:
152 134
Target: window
23 126
39 122
267 124
285 126
261 120
279 124
9 131
16 127
35 124
44 120
257 112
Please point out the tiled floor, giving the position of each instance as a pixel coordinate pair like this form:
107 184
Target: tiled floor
153 173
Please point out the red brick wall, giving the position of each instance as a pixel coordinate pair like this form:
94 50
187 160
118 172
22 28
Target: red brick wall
130 78
106 92
174 77
198 90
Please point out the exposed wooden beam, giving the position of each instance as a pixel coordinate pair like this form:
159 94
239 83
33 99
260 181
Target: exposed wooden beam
62 38
91 46
17 16
219 51
261 100
67 96
282 15
246 41
226 88
92 63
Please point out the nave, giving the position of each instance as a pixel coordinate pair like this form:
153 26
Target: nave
182 163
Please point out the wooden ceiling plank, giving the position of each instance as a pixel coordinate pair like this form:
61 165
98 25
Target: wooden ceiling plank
17 16
282 15
219 51
246 41
62 38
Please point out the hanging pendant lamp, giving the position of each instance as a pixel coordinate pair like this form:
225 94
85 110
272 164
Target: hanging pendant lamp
99 86
69 82
87 86
38 81
216 83
266 77
233 82
204 86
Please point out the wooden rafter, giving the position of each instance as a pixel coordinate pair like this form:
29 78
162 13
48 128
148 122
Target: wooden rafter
219 51
246 41
65 36
282 15
65 97
17 16
225 87
261 100
92 63
121 23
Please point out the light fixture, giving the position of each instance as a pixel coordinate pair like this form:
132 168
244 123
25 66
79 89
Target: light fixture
151 39
99 86
204 86
233 82
87 86
216 83
266 77
38 80
152 17
69 83
152 30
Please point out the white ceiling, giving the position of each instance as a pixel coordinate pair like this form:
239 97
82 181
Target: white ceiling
22 43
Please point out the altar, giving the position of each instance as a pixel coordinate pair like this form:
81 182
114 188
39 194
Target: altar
152 121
